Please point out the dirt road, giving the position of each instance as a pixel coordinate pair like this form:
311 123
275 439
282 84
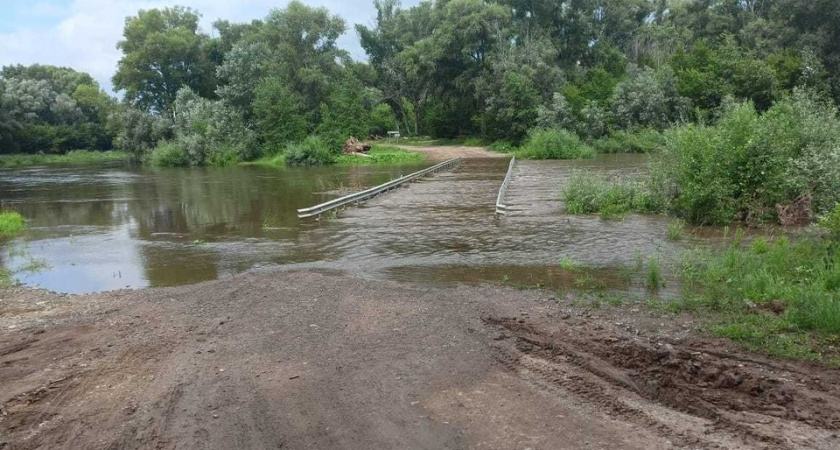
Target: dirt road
325 361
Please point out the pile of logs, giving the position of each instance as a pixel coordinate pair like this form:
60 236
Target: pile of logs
354 147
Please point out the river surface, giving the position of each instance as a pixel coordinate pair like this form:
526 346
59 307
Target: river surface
95 228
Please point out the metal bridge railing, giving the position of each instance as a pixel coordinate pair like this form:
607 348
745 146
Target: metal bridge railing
501 208
374 191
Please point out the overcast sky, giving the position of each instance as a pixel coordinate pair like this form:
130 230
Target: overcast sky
83 34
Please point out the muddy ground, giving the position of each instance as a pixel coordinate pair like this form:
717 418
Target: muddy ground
297 360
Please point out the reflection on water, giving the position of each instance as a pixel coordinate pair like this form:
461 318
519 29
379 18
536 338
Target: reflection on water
102 228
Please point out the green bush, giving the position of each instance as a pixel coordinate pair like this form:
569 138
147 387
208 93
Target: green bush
11 223
312 151
168 154
831 223
748 164
588 194
643 141
554 144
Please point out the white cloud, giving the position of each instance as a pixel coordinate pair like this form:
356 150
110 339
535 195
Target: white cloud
83 34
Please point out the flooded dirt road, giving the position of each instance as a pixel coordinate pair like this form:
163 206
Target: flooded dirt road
359 333
268 360
100 228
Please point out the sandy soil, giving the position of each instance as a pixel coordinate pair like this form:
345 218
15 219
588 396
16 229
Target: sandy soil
325 361
442 153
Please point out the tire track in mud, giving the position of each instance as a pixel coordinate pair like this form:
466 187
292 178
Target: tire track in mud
693 398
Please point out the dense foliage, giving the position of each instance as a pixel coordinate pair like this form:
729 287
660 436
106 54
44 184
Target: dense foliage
749 165
51 110
613 72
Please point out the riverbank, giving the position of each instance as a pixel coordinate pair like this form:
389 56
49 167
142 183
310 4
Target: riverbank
317 360
72 157
378 155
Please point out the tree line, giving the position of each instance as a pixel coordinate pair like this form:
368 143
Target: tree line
496 69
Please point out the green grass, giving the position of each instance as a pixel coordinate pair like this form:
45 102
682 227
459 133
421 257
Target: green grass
6 279
653 276
72 157
11 223
587 193
382 154
676 229
779 297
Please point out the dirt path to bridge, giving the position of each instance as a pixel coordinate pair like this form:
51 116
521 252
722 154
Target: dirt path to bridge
268 360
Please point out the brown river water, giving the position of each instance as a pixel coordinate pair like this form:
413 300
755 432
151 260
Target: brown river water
96 228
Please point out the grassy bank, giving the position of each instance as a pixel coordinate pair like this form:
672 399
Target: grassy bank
382 154
379 154
73 157
779 297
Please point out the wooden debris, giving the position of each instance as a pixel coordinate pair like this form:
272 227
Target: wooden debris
353 145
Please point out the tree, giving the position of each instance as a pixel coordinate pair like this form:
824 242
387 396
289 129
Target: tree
163 51
279 115
243 69
302 42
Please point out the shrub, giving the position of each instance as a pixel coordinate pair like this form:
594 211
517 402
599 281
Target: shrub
554 144
168 154
11 223
747 165
312 151
137 132
643 141
211 132
831 223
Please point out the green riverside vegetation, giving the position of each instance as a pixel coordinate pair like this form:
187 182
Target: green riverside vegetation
781 166
74 156
493 72
554 144
779 296
11 223
386 155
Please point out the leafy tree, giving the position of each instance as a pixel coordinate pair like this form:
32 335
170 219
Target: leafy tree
239 75
304 55
643 101
279 114
163 51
